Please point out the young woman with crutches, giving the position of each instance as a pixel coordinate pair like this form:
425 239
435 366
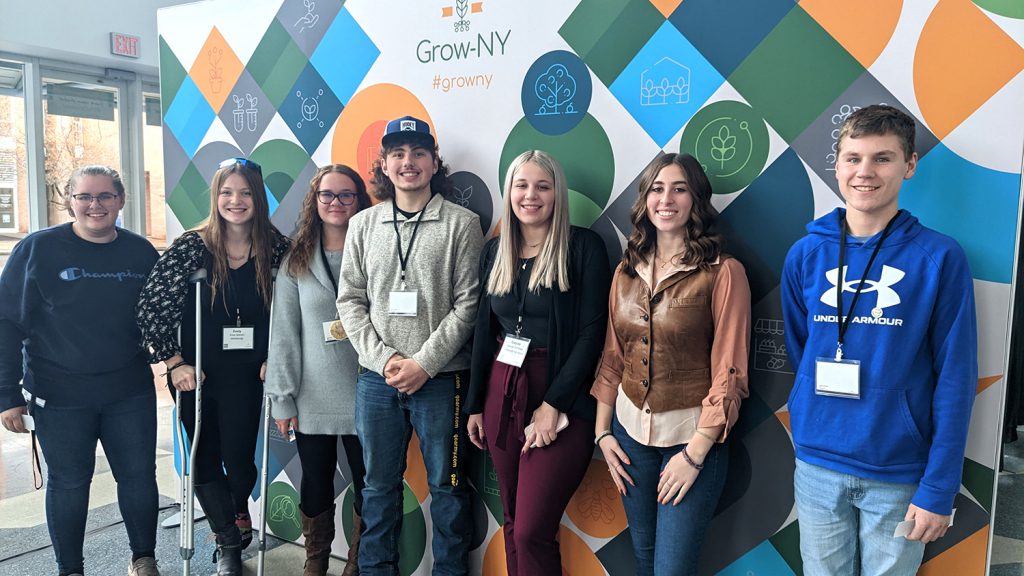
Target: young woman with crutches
239 247
311 376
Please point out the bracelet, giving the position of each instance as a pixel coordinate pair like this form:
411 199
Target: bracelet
178 365
690 460
601 436
704 434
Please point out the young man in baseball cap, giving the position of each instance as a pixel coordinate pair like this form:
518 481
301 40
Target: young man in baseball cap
407 299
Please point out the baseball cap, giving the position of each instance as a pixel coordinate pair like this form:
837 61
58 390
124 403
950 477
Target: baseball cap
407 129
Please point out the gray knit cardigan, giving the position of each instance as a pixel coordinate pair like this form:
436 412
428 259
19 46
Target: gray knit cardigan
307 377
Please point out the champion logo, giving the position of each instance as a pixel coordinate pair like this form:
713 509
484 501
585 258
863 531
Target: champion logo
885 296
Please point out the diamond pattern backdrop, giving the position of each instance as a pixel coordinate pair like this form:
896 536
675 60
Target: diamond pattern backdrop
606 85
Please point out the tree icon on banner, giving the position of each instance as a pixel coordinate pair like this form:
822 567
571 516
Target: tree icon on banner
556 88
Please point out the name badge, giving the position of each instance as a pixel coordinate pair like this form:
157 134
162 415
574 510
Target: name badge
402 303
238 337
513 350
334 331
837 377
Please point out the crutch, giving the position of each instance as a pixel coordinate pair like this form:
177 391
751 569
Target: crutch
186 544
261 544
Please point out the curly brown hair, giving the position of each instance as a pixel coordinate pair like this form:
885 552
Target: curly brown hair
703 243
309 226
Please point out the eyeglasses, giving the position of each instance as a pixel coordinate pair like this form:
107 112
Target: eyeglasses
244 162
344 198
103 198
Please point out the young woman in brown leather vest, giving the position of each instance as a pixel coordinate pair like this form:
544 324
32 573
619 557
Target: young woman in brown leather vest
674 369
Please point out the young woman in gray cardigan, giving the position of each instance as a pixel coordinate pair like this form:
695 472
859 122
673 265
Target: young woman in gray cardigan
311 367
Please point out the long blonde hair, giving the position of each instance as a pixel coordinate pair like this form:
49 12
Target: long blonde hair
551 268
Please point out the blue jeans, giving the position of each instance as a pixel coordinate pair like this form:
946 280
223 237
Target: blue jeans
385 420
846 524
667 538
67 436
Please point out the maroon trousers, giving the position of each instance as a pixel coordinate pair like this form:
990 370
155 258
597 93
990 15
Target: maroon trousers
535 487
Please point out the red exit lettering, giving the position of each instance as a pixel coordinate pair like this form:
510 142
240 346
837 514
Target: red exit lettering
124 45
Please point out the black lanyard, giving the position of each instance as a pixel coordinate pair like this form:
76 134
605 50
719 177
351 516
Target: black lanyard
327 265
844 323
403 259
522 296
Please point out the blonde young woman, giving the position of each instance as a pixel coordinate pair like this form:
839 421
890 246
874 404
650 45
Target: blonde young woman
544 286
311 376
238 246
674 368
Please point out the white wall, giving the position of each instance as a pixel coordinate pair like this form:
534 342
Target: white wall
79 30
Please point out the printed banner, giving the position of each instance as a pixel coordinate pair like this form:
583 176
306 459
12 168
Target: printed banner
754 89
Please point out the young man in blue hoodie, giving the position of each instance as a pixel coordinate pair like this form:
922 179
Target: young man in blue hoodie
880 322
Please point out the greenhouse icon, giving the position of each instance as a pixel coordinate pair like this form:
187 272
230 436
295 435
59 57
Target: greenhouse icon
667 82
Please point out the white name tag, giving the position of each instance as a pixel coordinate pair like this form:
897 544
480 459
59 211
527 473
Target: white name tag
238 337
513 350
334 331
402 303
837 377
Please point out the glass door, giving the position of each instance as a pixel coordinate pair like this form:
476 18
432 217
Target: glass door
81 126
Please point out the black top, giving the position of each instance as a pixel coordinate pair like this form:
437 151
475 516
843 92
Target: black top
536 307
238 299
68 304
164 299
576 325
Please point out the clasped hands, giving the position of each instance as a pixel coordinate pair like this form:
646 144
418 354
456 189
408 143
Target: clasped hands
404 374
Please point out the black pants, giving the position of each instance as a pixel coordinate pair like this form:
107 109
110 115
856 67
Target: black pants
232 402
318 454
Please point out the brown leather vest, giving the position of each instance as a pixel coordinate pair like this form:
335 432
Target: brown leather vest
666 338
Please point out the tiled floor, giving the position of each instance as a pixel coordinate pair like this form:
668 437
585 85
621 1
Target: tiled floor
25 545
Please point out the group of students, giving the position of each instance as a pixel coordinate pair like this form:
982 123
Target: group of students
397 318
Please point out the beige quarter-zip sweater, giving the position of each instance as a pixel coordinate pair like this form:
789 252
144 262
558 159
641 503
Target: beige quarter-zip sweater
441 266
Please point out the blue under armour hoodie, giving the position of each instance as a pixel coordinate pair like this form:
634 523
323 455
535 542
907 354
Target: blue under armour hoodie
913 331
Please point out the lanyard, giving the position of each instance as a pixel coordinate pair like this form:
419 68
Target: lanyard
327 265
844 322
522 296
403 258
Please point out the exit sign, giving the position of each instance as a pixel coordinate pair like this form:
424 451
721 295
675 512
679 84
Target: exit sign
124 45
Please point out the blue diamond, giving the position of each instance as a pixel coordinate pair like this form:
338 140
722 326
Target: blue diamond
665 84
344 56
189 116
310 109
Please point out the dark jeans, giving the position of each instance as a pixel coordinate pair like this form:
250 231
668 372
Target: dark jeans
318 455
385 420
667 538
232 409
67 435
535 487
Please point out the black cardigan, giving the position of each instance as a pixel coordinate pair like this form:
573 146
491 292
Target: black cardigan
576 329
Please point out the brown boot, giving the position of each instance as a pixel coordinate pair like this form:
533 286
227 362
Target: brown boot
352 564
319 533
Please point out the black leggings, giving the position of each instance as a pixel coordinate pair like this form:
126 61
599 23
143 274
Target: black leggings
318 454
232 401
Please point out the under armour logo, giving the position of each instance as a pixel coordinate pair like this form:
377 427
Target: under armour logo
885 295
